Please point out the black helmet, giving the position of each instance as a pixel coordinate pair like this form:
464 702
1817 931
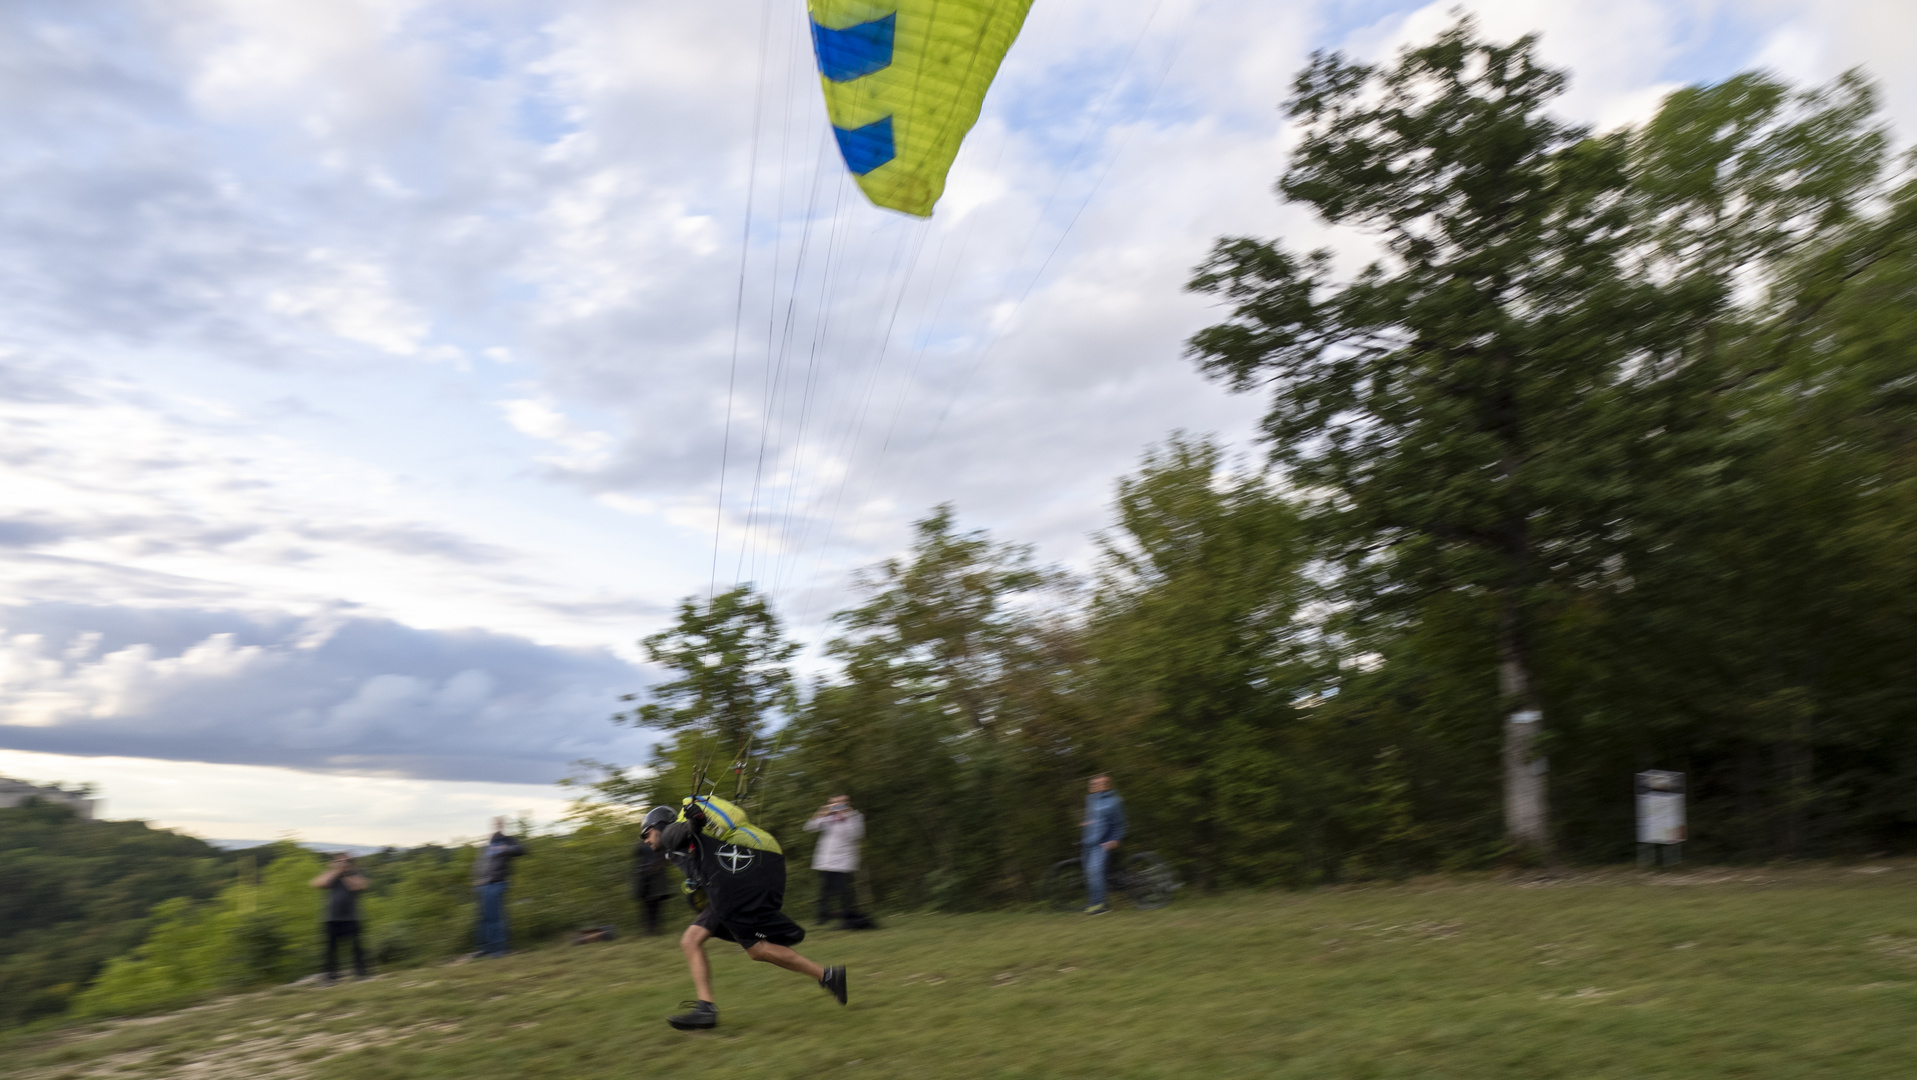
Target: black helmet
658 818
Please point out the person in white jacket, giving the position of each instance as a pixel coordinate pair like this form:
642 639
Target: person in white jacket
840 829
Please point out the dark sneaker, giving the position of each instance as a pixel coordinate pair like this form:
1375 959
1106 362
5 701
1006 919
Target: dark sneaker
699 1015
834 983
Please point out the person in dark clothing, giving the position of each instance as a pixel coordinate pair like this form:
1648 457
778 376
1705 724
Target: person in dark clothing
651 885
741 870
492 870
343 883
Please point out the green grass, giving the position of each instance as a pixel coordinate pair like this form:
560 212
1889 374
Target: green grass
1762 972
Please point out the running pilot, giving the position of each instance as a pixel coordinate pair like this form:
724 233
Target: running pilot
741 870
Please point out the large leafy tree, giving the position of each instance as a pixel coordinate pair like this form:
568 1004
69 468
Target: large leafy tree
945 624
729 656
1196 656
1478 412
1762 641
944 724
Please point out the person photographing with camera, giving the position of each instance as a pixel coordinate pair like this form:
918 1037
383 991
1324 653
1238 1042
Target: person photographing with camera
343 883
741 870
836 859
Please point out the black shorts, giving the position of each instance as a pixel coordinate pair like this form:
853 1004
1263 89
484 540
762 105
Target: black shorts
748 924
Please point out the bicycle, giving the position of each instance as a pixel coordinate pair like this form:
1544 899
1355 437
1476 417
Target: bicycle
1145 879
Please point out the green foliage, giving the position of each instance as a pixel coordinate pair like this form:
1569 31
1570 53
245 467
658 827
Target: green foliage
1558 387
946 724
242 938
1758 636
419 908
1197 657
730 656
79 892
576 878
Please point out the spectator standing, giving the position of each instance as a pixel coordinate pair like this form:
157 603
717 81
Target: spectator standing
836 859
1102 829
343 883
651 886
492 869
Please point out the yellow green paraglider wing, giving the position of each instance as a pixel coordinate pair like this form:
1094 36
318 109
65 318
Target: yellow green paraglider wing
904 81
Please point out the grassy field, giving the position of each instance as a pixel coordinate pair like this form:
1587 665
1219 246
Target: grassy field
1711 973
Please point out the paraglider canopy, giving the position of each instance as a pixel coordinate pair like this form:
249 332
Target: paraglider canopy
904 81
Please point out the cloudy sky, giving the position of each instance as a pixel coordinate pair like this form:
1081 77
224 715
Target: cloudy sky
373 373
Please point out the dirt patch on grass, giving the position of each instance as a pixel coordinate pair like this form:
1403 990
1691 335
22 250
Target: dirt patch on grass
1897 948
287 1056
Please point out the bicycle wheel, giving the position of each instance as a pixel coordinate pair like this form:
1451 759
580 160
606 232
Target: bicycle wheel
1149 881
1063 887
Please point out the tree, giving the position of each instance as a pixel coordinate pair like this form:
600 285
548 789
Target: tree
1196 655
1477 412
730 655
1758 638
942 625
943 726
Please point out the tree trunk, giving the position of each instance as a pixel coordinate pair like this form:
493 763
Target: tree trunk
1527 810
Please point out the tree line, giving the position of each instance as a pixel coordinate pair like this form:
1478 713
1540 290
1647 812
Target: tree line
109 918
75 893
1604 462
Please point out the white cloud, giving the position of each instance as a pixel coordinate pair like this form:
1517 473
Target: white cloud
125 498
585 450
1614 50
353 299
351 695
1815 42
333 66
37 690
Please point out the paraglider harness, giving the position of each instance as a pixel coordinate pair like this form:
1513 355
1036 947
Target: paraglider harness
722 824
737 874
693 889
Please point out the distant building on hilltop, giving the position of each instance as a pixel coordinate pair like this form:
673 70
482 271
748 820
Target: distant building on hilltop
17 792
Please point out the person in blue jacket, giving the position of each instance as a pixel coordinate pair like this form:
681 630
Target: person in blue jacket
1104 827
492 870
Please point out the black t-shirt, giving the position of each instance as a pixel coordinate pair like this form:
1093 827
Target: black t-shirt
734 875
342 903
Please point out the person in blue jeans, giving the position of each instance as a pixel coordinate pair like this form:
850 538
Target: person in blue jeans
1104 827
492 869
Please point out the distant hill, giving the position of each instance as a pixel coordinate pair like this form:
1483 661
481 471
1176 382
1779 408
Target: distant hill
75 892
321 846
19 792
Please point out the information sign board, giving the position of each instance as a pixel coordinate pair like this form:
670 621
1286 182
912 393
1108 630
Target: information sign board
1660 807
